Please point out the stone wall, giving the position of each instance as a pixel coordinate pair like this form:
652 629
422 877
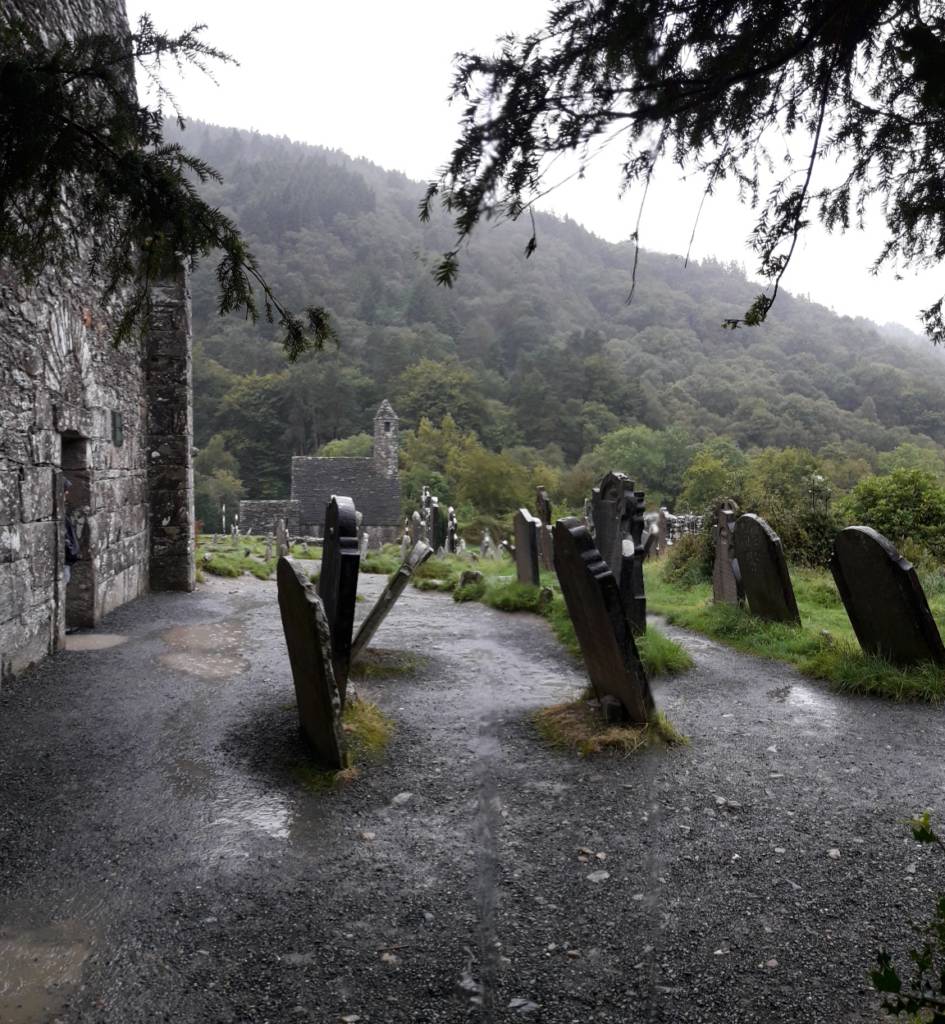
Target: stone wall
259 517
74 406
376 495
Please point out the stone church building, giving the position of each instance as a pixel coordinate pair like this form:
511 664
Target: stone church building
115 422
373 483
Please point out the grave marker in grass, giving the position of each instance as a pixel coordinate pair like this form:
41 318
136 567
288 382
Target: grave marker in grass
527 564
308 641
764 571
338 581
884 599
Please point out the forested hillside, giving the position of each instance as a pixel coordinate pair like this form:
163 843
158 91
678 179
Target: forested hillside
542 359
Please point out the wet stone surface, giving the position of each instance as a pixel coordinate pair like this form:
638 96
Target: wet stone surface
161 861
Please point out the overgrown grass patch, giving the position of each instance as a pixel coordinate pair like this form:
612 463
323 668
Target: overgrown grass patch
231 560
823 647
367 732
385 560
384 662
577 726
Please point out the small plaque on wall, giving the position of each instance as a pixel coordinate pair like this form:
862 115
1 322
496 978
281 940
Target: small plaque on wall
118 429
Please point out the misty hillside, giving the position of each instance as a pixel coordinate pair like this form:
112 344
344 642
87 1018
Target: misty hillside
536 353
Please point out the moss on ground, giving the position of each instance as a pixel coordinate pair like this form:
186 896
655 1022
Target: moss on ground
577 726
367 732
823 647
230 560
383 662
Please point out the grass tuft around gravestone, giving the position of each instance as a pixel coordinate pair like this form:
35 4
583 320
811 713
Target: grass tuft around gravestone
823 647
577 727
367 732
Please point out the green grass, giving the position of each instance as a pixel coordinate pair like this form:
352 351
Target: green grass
230 560
660 655
823 647
578 728
367 732
382 663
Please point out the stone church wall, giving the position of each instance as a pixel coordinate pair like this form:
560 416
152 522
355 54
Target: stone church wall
114 421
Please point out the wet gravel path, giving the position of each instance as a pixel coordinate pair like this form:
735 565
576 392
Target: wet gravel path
160 860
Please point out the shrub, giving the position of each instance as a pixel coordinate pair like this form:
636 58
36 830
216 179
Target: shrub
690 559
906 504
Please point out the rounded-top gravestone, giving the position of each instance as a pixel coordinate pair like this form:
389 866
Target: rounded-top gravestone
884 598
764 571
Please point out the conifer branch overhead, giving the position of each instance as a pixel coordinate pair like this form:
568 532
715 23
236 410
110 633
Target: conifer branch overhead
714 87
85 172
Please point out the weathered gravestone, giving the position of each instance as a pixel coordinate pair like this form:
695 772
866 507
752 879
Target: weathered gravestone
884 598
420 553
527 565
416 527
546 542
308 640
632 590
764 571
611 503
662 532
282 538
338 581
437 526
726 576
600 622
452 532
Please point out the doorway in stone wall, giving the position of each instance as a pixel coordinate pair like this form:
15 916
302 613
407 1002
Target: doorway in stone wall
76 504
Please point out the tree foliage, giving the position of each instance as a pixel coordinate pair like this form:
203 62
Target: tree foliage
857 85
86 174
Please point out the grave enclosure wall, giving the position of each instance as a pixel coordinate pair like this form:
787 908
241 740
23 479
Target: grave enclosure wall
115 421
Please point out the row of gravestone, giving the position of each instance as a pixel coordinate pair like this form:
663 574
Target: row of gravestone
319 626
433 526
880 590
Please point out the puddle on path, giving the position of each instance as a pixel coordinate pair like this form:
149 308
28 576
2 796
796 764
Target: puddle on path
39 969
211 650
93 641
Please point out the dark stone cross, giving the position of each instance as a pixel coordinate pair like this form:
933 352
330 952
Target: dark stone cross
603 630
338 582
527 564
726 578
764 571
884 598
308 641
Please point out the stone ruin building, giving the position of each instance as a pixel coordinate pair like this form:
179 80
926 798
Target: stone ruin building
373 484
117 422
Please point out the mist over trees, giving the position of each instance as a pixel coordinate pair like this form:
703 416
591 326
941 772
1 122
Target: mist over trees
541 362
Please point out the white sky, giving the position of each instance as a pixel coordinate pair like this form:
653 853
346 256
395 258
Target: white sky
372 78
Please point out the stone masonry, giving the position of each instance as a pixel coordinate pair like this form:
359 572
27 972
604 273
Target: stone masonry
115 421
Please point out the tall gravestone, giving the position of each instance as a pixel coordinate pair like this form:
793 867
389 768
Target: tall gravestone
452 532
546 544
527 565
437 526
338 581
611 508
308 641
395 587
282 538
632 590
884 599
600 622
662 532
726 576
764 571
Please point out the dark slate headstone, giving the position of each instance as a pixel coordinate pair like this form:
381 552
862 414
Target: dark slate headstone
632 592
726 578
308 640
395 587
338 582
612 507
603 631
764 571
546 544
884 598
543 505
527 564
438 526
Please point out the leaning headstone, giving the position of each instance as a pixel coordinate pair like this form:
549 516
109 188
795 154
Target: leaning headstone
593 600
884 599
420 553
764 571
282 539
308 640
338 581
726 577
527 564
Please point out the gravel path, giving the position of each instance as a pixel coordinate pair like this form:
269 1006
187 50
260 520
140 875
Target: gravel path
160 861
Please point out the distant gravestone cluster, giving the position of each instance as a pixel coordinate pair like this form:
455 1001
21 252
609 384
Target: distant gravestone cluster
669 528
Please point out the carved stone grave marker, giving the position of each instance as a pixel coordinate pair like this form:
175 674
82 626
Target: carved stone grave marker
308 640
420 553
603 631
546 542
726 577
764 571
338 582
527 564
612 507
884 598
282 538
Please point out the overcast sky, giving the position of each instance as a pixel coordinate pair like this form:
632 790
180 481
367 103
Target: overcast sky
372 78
